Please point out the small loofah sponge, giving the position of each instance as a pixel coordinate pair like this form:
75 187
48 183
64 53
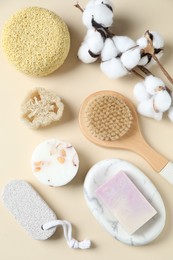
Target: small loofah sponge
108 118
41 108
36 41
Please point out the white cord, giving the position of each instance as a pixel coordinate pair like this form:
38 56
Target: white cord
67 228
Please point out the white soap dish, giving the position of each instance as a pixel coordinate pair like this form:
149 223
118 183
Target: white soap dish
103 171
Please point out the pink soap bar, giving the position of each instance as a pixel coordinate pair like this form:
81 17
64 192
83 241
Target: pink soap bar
125 202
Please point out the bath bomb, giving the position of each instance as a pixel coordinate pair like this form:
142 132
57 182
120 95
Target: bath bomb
54 162
36 41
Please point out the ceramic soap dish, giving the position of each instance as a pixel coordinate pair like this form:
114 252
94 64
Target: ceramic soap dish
105 171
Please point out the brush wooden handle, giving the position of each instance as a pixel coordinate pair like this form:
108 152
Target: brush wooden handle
155 159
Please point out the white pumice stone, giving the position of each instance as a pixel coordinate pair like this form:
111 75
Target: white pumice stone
140 92
131 58
152 83
84 55
142 42
113 68
162 101
158 41
109 50
170 113
123 43
95 42
146 108
103 15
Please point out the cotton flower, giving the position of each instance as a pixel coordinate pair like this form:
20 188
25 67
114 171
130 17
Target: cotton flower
113 68
154 98
109 50
140 92
150 43
103 15
131 57
90 4
146 108
142 42
170 113
157 39
105 2
84 55
162 101
123 43
99 15
152 84
94 41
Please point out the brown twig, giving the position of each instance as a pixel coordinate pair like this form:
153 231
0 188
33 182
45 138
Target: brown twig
167 75
137 74
79 7
145 70
150 49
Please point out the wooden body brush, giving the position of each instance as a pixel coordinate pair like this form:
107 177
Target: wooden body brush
109 119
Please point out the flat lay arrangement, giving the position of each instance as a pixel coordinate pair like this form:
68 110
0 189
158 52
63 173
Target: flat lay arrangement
79 156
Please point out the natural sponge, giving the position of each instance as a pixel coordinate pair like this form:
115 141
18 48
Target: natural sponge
36 41
41 108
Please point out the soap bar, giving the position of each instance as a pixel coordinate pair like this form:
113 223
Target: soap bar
126 202
54 162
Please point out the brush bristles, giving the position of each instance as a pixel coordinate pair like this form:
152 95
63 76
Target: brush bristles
108 118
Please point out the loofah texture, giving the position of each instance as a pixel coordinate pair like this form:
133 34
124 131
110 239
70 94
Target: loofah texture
108 118
41 108
36 41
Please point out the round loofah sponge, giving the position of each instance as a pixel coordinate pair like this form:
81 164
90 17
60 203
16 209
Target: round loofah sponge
36 41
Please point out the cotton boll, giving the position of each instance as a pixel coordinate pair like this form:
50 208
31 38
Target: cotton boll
131 58
152 83
90 4
170 114
140 92
87 17
158 41
152 61
109 50
142 42
113 68
159 55
103 15
105 2
89 33
95 42
162 101
143 61
146 108
84 55
123 43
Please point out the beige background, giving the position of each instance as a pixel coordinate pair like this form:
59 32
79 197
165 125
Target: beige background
73 82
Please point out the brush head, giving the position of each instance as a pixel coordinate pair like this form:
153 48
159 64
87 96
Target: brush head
106 117
114 112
